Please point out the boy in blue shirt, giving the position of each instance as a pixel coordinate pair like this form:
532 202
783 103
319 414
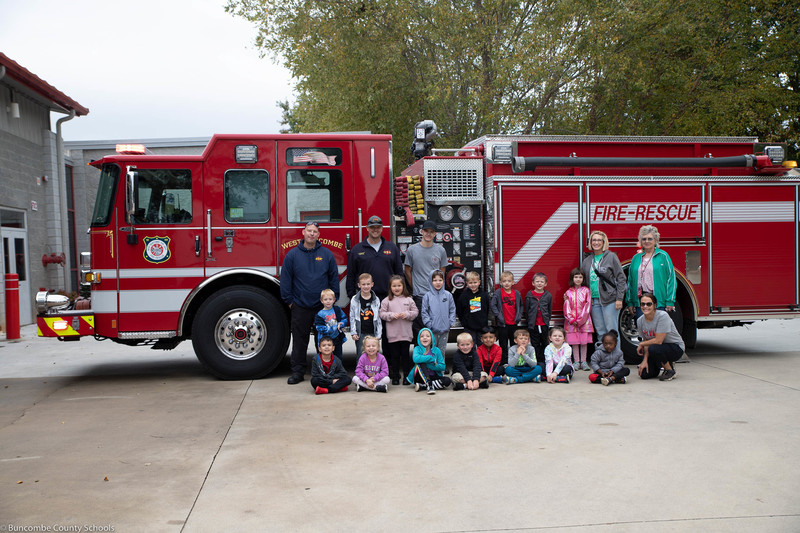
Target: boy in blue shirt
331 322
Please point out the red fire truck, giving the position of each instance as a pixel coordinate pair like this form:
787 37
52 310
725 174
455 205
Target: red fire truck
191 247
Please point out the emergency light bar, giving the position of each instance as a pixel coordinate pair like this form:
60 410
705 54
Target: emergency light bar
131 149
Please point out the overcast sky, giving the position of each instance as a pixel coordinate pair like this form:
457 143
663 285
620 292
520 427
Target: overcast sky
147 68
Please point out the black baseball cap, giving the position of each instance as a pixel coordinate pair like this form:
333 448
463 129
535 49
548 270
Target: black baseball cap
429 224
374 221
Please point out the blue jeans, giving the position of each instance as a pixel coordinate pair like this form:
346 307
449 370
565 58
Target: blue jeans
604 317
523 374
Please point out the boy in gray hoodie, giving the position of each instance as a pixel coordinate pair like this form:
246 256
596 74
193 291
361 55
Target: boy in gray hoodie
438 309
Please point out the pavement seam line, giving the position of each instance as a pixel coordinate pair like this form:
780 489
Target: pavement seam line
747 376
627 522
25 410
214 459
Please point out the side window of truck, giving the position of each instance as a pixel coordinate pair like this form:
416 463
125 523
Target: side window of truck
247 196
162 196
314 193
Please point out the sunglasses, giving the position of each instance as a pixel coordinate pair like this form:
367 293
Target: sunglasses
646 304
312 224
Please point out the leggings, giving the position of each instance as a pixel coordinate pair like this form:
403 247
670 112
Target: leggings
398 358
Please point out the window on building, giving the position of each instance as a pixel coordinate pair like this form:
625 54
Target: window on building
12 219
162 196
247 197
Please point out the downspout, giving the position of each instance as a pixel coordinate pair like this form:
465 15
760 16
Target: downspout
62 185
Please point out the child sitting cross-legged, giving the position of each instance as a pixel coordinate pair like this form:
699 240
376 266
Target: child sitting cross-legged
467 371
327 372
491 356
522 366
608 363
558 357
428 371
372 371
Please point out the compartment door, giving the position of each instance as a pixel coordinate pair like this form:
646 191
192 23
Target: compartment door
539 228
754 255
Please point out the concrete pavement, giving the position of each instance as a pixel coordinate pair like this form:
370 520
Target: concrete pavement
103 436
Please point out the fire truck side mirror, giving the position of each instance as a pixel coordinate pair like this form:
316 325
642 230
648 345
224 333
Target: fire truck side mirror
130 188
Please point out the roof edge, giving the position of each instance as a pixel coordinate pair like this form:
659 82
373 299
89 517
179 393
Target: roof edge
35 83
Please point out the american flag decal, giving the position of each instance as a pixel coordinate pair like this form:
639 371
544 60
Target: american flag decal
315 157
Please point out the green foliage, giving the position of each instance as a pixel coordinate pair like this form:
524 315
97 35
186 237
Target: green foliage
634 67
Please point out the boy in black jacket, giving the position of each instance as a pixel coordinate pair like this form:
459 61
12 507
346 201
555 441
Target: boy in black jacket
467 370
539 309
327 372
472 307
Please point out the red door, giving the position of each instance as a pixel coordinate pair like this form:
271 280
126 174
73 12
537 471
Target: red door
240 203
159 261
316 184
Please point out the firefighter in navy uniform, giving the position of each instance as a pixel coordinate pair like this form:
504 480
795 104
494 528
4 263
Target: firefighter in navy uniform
307 269
374 255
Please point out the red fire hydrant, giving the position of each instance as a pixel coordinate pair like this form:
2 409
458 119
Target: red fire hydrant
12 306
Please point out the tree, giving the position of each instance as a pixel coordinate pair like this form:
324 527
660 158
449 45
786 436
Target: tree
643 67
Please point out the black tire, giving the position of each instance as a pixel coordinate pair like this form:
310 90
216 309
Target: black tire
629 334
689 333
240 333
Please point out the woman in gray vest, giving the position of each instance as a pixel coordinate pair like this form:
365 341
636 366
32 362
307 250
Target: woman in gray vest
607 283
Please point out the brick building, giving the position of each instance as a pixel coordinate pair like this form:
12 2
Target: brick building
36 207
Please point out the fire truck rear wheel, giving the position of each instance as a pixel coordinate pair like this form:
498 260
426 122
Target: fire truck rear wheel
240 333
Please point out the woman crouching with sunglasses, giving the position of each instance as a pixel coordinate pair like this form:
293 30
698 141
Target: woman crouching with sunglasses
661 343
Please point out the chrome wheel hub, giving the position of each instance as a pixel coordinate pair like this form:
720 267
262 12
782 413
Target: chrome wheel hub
240 334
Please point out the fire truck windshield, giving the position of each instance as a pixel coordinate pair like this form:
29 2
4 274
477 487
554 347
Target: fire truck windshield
106 190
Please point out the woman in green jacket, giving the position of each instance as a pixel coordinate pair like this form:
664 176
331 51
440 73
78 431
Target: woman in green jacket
651 271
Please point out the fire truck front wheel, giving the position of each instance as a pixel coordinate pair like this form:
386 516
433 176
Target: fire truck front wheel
240 333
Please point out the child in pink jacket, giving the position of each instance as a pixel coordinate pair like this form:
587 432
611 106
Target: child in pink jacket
577 319
397 312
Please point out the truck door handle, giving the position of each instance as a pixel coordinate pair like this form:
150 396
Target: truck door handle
208 231
197 245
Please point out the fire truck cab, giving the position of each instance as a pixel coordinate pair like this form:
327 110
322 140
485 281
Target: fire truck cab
191 246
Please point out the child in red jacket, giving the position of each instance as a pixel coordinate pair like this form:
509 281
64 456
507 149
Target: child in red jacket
491 355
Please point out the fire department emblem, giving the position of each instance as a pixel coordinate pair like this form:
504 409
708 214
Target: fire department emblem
156 249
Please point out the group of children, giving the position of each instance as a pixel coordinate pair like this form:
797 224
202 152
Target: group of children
484 355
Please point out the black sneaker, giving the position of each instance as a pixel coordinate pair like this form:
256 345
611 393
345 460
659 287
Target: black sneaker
483 385
458 386
380 388
395 381
667 375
